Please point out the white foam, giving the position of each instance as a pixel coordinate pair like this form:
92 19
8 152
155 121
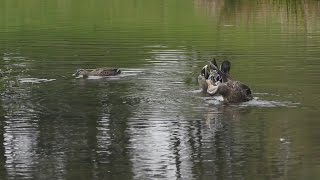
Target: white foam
34 80
256 102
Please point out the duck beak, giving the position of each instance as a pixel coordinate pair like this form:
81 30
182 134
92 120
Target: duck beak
74 74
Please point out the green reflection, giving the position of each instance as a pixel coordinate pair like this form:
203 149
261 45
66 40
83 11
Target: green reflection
273 46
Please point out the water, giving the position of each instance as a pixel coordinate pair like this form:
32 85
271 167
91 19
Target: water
153 122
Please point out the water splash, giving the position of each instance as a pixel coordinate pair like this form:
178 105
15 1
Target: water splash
34 80
256 102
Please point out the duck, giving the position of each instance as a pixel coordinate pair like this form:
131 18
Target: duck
231 91
208 73
104 72
220 82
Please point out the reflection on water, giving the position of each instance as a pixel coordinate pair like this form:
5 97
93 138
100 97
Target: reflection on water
293 16
154 129
152 121
19 144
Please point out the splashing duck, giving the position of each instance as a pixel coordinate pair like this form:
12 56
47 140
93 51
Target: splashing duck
217 81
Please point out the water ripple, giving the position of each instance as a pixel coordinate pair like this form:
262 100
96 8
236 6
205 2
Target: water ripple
34 80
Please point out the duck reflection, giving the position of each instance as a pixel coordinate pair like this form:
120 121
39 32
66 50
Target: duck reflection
217 148
215 115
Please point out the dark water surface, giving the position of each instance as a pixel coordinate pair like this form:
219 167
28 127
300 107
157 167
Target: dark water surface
152 122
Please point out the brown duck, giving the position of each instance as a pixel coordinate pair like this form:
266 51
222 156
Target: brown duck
85 73
217 81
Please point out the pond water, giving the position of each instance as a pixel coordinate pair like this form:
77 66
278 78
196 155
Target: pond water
153 122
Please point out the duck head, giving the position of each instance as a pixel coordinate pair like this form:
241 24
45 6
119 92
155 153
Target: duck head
118 71
225 66
223 71
81 72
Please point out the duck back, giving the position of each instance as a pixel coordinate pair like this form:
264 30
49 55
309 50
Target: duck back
238 92
105 72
